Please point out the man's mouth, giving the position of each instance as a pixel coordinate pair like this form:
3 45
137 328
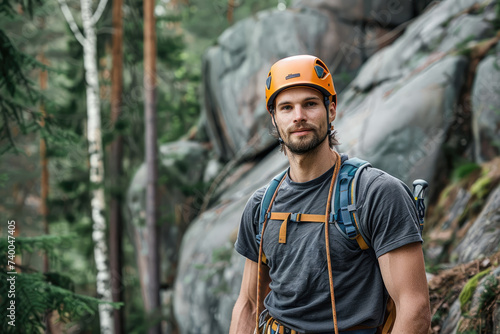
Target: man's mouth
301 132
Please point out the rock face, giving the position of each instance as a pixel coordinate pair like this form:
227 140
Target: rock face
336 31
401 105
182 164
400 126
233 72
210 271
486 107
483 237
463 298
464 222
406 112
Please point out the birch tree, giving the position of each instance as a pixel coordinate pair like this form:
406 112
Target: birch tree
88 40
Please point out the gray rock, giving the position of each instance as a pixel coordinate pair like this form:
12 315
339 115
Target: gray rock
234 71
464 29
486 109
436 251
182 166
183 161
458 208
213 168
400 125
496 320
450 325
425 41
384 13
210 271
483 237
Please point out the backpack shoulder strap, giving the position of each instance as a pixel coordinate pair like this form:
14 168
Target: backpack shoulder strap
344 202
266 200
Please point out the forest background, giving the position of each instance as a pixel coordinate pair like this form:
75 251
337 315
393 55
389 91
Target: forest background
46 188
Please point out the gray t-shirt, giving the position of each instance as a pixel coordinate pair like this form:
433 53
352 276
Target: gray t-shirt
300 293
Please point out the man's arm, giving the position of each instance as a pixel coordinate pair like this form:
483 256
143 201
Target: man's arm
403 271
243 320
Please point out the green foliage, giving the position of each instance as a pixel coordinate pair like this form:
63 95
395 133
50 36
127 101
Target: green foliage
463 170
496 21
35 294
16 89
491 290
45 243
481 187
469 288
208 19
463 47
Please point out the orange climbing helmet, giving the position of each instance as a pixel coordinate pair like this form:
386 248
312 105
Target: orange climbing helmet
301 70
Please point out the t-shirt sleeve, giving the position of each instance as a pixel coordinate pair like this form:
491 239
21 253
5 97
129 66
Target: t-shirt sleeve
246 243
388 213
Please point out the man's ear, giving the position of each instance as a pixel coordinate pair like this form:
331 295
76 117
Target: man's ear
332 109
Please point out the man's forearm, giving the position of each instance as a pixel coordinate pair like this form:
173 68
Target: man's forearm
412 318
243 319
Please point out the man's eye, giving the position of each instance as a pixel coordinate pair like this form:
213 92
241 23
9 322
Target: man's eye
311 104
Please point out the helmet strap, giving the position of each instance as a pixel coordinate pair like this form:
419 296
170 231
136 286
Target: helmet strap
277 129
328 125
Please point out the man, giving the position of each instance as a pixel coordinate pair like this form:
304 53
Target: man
308 287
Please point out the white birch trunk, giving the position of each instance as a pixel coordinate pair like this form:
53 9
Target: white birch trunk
98 204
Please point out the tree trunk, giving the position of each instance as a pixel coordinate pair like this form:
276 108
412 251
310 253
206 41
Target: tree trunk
116 171
44 182
97 203
152 295
230 10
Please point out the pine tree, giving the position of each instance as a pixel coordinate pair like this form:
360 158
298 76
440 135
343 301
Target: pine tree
17 94
33 293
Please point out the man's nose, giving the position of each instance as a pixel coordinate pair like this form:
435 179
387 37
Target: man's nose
299 114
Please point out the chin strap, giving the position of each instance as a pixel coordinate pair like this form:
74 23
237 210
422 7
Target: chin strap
328 125
277 130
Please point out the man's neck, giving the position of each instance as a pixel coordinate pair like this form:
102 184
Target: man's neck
307 167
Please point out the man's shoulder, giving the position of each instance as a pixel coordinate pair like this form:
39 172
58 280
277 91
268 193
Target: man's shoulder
255 199
258 194
374 179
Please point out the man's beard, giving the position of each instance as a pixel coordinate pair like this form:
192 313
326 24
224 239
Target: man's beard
305 145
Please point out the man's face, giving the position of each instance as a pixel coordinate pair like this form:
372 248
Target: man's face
301 119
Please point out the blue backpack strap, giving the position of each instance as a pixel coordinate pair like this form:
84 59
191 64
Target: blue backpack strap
344 203
266 200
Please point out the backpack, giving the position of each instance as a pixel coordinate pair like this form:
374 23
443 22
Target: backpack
343 212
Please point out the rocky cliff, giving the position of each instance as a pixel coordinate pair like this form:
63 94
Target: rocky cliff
419 97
